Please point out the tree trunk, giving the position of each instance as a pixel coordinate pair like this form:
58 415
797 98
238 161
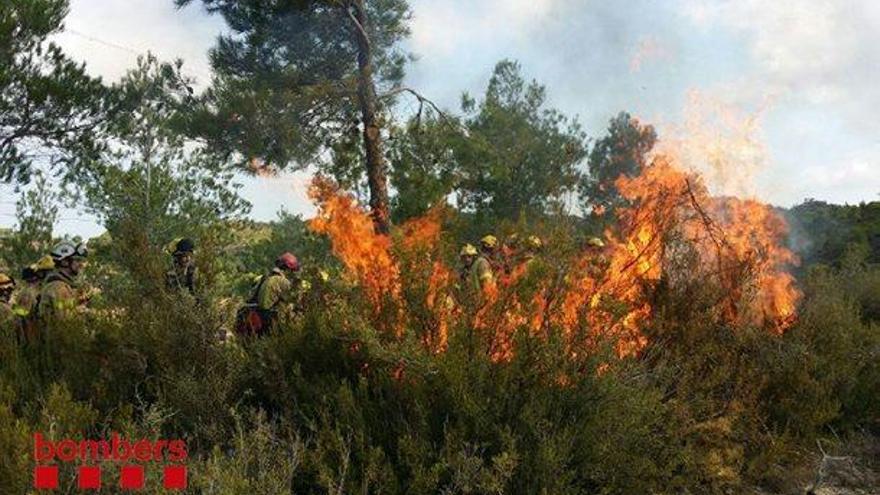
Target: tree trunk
376 167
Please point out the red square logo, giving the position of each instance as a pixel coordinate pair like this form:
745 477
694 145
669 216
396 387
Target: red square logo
46 477
131 477
174 477
88 477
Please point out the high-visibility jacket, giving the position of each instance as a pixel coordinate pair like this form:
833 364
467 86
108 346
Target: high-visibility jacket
25 300
58 298
274 288
481 274
257 317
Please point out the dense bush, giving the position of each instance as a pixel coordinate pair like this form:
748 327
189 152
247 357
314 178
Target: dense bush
328 405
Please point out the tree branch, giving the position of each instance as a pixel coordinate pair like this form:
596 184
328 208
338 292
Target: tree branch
422 100
361 30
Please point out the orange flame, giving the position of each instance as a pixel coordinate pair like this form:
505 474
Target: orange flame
739 244
669 219
365 254
439 302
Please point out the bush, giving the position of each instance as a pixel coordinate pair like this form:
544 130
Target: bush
330 404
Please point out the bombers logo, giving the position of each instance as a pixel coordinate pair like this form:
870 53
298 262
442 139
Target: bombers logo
90 453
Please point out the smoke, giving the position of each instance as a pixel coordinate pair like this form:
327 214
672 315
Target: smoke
722 143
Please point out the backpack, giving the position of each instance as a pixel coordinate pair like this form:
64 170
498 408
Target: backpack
251 320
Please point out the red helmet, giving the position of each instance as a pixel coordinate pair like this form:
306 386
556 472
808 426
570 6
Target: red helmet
288 261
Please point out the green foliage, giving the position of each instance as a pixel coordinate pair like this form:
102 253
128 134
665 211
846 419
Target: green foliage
286 78
36 213
333 402
507 157
259 459
423 164
151 185
49 106
825 233
519 156
15 439
330 405
621 152
152 177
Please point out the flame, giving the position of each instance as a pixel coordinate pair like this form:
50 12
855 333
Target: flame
422 233
439 302
671 232
376 262
365 253
740 245
755 235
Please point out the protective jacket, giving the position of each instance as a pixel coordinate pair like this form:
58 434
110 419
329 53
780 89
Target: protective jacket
24 302
259 313
58 298
182 278
481 274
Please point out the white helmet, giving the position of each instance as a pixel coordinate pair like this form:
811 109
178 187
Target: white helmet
66 250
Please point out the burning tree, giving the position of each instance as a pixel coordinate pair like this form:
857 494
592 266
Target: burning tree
673 234
676 233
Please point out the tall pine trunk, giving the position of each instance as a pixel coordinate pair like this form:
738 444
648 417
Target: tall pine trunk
376 168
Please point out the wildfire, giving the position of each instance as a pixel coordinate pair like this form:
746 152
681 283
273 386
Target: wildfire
440 303
365 254
671 233
376 262
739 246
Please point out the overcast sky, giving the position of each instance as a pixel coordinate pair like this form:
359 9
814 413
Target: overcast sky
802 76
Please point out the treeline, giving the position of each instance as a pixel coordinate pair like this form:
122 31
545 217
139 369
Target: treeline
829 234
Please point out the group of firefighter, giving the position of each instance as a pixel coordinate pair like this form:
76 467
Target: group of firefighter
481 266
48 289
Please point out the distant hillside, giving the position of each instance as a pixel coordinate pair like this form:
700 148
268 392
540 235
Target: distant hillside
824 233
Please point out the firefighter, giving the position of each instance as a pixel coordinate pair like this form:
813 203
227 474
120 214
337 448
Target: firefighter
489 249
595 244
282 285
25 299
58 298
534 246
26 295
510 252
7 285
598 263
467 255
482 272
183 275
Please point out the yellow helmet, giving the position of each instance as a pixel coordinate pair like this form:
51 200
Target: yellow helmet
489 241
468 250
6 281
43 264
595 242
172 245
535 242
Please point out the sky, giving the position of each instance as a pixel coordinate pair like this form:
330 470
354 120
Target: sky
800 77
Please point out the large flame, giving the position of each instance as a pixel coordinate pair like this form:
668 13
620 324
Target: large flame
375 262
365 254
671 232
